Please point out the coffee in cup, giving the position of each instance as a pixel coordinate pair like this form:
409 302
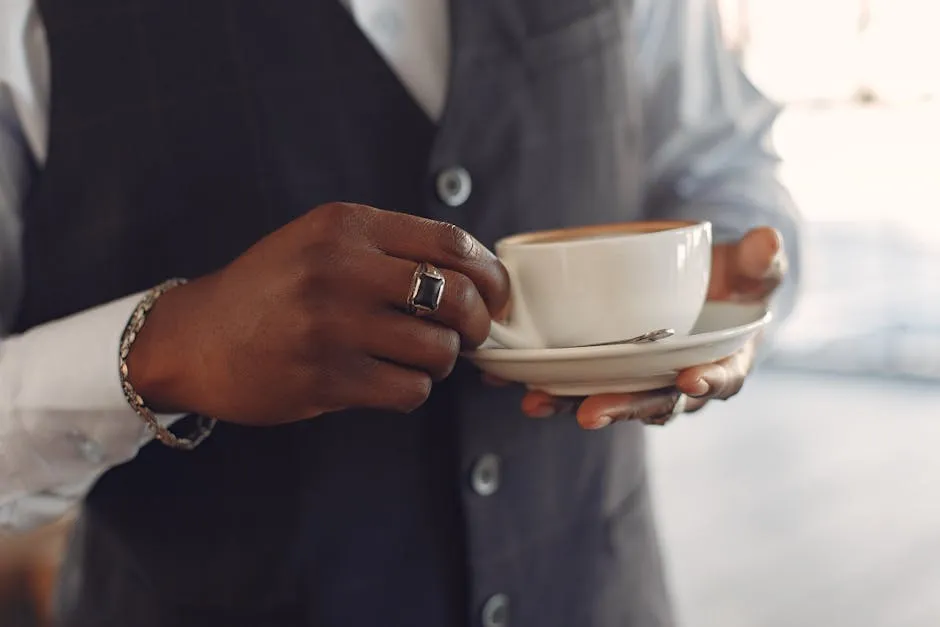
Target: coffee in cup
603 284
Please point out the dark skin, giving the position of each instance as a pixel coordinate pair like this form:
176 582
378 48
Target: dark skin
29 566
312 319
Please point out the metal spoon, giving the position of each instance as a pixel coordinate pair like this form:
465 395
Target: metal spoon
646 338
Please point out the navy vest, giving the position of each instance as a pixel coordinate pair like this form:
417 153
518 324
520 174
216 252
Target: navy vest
182 132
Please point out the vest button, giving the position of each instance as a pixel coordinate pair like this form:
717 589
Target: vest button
453 186
496 611
484 478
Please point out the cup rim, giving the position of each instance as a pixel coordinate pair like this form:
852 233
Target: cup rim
581 235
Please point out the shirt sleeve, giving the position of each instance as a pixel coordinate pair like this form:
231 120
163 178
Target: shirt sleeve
708 132
63 416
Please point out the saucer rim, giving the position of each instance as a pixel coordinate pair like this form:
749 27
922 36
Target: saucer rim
684 342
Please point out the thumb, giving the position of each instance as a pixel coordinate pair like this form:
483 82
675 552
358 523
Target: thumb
750 269
759 255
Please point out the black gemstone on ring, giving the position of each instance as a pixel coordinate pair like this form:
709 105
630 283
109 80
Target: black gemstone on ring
428 294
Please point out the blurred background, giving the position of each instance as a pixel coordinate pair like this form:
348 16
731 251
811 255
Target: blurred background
814 499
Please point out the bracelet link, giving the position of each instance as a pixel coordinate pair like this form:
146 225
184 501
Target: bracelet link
134 325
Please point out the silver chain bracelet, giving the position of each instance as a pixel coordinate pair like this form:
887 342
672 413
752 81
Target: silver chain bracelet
134 325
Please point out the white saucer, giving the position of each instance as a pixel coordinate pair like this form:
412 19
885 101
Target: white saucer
721 330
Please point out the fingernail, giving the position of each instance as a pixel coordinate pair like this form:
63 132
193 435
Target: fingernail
600 423
778 266
699 388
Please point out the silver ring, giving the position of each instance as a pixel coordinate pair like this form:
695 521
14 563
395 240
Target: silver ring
677 410
427 290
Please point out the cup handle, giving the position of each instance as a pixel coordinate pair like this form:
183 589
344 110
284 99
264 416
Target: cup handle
518 331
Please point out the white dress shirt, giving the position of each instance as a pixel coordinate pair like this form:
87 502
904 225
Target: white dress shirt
63 417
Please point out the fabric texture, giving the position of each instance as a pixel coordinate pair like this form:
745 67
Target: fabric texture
357 518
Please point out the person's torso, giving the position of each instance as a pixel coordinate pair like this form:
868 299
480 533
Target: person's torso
180 134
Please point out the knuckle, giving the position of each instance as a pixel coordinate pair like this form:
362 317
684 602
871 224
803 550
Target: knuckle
337 211
329 214
451 345
324 232
447 353
335 219
318 269
456 243
464 297
331 265
469 311
310 270
415 393
479 333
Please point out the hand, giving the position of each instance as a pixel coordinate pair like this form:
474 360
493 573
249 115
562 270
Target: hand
747 271
313 319
29 569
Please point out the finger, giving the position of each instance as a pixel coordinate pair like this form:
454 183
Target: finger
757 253
495 381
418 344
694 405
538 404
720 380
390 387
443 245
596 412
461 308
750 269
678 408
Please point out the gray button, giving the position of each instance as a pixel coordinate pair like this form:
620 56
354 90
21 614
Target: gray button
89 449
484 478
453 186
496 611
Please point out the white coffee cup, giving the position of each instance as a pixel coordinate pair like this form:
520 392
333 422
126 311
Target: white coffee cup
603 284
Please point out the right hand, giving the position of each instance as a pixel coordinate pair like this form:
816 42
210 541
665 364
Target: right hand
313 319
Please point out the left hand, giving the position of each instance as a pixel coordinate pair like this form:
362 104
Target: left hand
747 271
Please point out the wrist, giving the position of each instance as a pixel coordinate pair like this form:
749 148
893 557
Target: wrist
160 359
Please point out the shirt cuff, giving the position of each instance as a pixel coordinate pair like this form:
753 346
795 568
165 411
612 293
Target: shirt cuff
71 365
63 415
